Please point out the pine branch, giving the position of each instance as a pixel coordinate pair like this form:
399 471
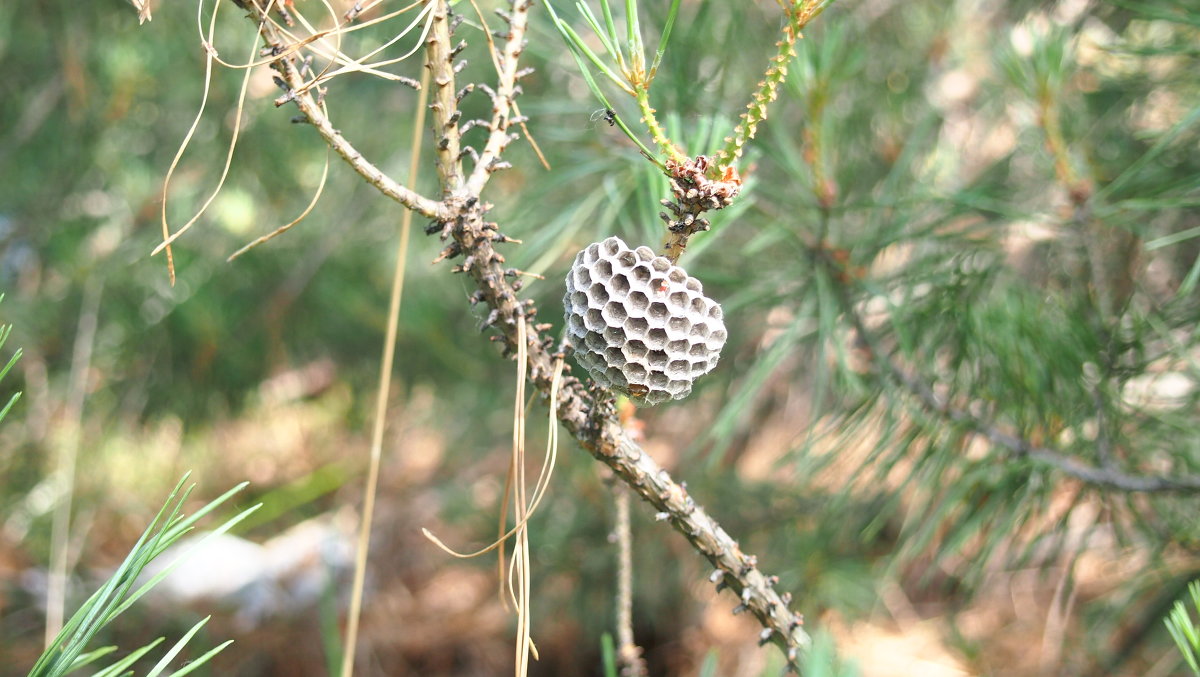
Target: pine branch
585 411
1109 475
502 98
314 113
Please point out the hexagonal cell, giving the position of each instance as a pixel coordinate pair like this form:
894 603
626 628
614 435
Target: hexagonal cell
611 246
637 301
582 277
593 320
603 269
699 368
614 313
575 325
679 369
641 274
694 285
657 313
717 339
678 301
659 286
658 379
598 294
678 347
677 275
698 305
579 301
636 326
627 259
616 377
699 330
680 389
613 356
635 372
591 253
635 349
619 284
678 326
601 377
644 253
715 312
594 341
656 338
698 350
614 336
661 264
657 359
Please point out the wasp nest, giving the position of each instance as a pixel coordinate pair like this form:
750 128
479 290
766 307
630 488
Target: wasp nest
640 325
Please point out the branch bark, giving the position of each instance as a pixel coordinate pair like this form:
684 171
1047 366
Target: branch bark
314 112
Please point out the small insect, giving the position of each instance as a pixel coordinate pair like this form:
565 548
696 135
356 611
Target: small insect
606 114
638 391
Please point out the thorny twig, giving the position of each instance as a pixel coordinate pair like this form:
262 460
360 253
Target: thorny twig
585 411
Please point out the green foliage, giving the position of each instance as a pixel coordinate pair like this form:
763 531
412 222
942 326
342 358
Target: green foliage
608 655
904 176
1183 628
67 651
5 330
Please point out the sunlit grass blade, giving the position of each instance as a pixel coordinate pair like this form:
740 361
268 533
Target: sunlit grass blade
120 667
66 652
579 48
202 660
613 47
662 40
90 657
608 655
174 650
611 26
96 612
157 578
633 31
1160 146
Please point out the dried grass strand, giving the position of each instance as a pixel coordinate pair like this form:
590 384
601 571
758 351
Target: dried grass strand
168 237
371 487
539 491
303 215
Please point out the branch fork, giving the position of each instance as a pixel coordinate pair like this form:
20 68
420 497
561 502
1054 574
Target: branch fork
459 219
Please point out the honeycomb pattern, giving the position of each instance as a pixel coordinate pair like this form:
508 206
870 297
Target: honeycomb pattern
640 325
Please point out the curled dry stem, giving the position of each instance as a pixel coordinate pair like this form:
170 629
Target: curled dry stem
315 113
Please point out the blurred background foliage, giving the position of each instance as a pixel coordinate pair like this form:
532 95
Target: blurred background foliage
1000 201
